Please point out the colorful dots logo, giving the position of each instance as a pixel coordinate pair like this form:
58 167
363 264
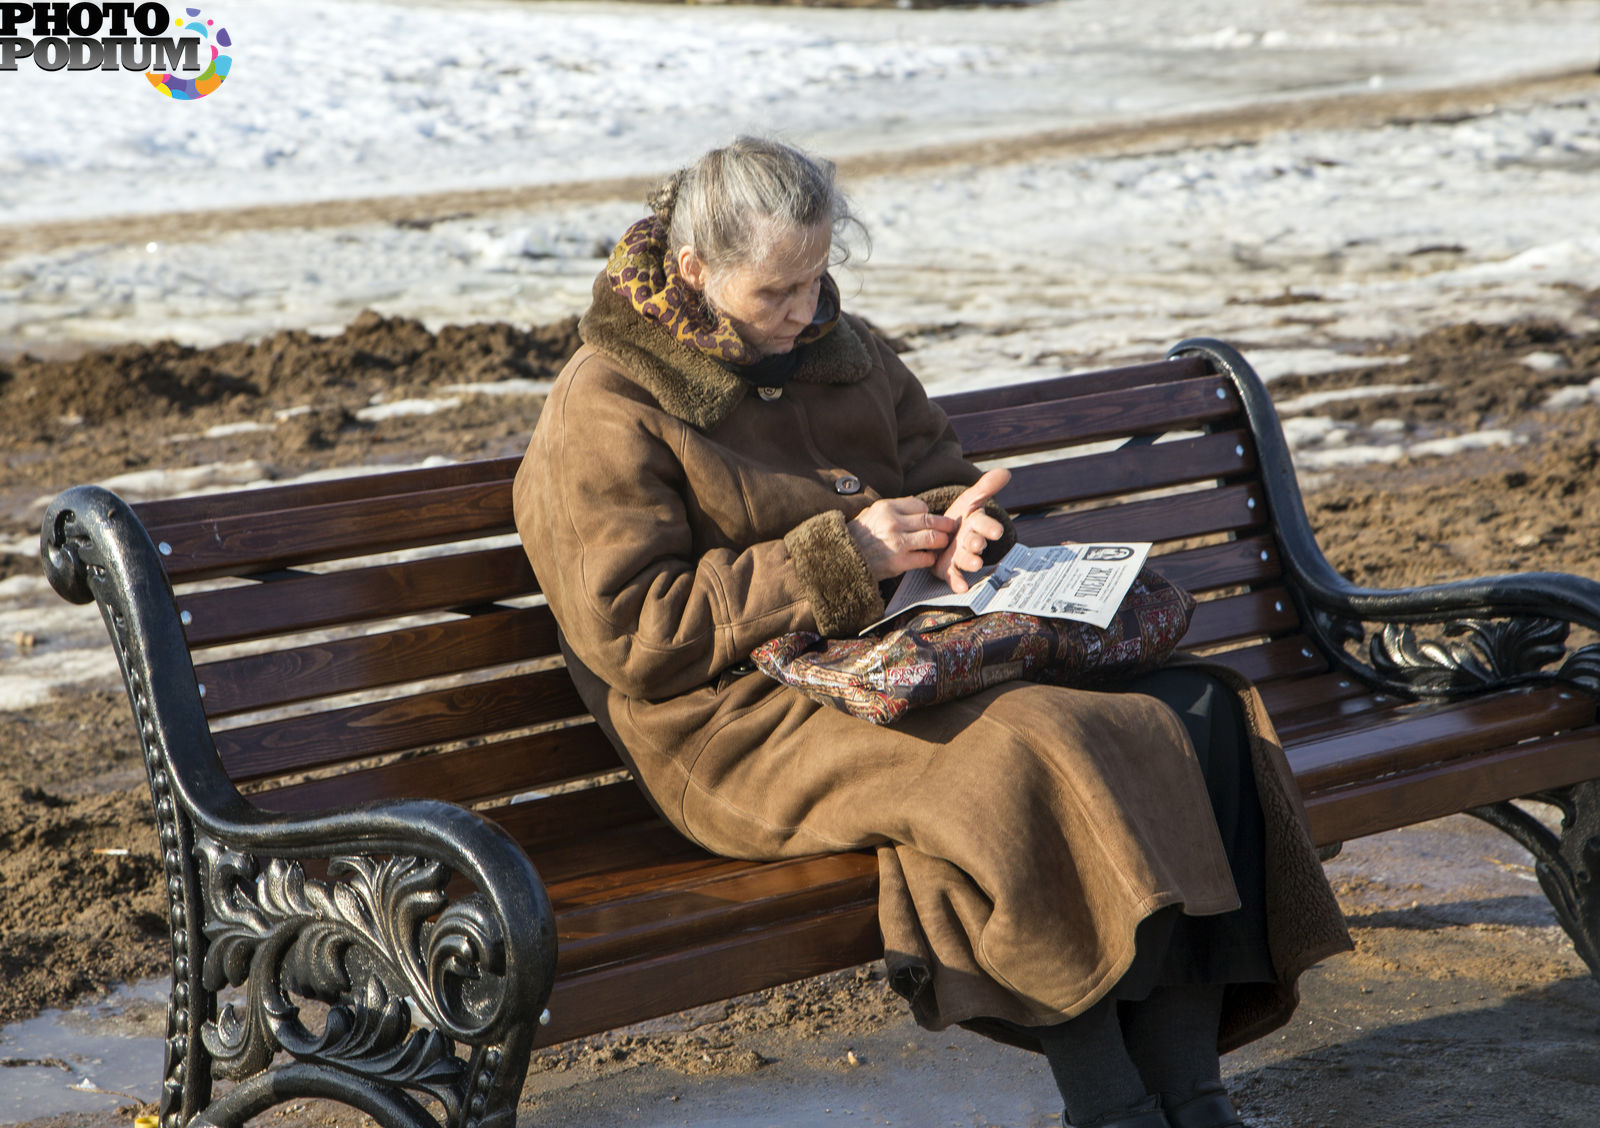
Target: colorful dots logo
211 38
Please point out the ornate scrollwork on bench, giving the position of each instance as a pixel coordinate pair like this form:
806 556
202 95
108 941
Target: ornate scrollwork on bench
1459 656
377 940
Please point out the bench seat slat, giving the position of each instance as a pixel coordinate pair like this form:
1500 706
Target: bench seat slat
629 928
1082 478
279 677
464 775
1404 738
1092 417
1443 789
302 603
612 996
260 542
558 819
593 868
360 731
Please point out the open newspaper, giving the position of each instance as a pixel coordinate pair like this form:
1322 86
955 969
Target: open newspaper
1064 581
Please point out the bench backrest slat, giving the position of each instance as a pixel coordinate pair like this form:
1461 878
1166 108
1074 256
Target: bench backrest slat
354 486
306 602
437 716
1163 519
1076 383
496 770
1092 417
280 677
282 538
1226 454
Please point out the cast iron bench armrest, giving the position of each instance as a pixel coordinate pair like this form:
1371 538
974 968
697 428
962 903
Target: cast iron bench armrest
1500 630
378 937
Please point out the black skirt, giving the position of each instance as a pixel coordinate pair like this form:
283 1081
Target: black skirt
1171 947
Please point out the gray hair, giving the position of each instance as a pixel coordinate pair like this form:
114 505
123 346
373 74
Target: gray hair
735 203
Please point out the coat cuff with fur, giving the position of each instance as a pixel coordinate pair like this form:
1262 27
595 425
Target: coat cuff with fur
843 596
939 499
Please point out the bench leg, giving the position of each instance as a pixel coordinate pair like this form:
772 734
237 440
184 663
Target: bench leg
1568 863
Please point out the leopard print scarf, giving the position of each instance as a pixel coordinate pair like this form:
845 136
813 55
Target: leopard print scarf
642 272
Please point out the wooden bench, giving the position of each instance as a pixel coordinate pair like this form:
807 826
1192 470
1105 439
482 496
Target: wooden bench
435 843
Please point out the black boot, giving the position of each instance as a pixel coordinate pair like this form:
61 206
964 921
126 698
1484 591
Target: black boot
1209 1107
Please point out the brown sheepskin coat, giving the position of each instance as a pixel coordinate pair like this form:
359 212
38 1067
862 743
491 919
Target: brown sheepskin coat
676 519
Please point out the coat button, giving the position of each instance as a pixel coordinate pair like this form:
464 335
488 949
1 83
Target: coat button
848 484
769 394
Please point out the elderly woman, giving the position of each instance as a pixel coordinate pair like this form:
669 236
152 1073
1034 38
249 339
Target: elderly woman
1119 880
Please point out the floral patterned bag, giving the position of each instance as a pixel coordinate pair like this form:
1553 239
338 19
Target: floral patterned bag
940 655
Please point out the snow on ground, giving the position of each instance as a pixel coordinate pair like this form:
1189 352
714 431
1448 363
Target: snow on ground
341 98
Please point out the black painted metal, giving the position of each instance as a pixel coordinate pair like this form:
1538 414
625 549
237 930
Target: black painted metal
1491 633
1507 629
377 939
1567 864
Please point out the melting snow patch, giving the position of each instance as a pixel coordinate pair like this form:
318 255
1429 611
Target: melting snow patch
1575 396
1365 453
1313 400
515 386
398 408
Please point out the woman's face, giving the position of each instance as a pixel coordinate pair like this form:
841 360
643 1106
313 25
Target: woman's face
769 302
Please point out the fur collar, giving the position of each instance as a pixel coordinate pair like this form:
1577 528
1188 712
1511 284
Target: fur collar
688 384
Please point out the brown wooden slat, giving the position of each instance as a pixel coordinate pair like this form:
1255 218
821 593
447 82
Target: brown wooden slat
648 924
1283 698
1264 612
259 542
302 603
1265 663
439 716
582 871
322 669
1397 743
1444 789
1221 565
1346 712
1225 454
298 495
1097 415
1280 658
614 996
466 775
1197 513
574 815
1074 384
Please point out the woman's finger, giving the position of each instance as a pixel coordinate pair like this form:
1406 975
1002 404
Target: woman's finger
977 495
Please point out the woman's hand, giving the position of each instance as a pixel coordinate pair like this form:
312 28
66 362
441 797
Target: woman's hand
897 534
974 531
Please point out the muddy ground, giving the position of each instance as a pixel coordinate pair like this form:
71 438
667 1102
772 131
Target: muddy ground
75 919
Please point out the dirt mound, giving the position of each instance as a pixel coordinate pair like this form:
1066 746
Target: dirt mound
83 908
374 354
159 405
1466 376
